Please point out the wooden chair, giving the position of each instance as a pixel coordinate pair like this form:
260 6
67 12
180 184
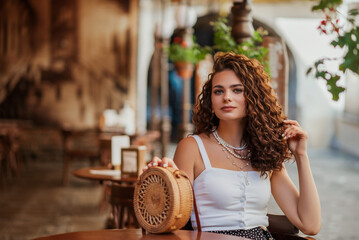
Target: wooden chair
13 154
122 206
2 163
282 229
79 144
105 149
279 226
10 157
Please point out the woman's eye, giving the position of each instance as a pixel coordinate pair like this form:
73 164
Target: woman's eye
217 92
237 90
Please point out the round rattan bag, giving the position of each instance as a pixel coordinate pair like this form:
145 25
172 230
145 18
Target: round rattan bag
163 199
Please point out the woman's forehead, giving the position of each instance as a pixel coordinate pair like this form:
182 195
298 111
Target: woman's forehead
225 77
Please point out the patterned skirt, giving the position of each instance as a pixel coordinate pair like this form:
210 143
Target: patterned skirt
258 233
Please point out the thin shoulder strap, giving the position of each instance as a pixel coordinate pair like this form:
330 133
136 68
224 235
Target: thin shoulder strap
203 152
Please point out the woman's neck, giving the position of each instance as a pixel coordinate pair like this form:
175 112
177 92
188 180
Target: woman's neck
232 132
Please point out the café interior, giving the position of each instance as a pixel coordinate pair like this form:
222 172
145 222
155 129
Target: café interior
86 83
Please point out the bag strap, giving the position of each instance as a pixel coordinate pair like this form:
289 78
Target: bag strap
199 228
179 172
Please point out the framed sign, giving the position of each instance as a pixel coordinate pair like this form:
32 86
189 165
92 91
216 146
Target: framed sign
117 143
133 160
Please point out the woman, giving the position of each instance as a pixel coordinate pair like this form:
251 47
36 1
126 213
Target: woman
235 159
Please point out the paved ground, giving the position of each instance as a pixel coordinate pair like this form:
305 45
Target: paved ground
36 204
337 178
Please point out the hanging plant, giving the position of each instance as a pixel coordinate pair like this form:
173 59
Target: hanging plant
252 48
345 38
190 52
185 53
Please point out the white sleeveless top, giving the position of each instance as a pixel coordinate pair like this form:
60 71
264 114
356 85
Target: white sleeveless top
225 201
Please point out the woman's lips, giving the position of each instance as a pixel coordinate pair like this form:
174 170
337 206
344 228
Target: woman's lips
227 108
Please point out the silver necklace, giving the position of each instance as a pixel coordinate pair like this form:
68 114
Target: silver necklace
226 147
240 167
219 139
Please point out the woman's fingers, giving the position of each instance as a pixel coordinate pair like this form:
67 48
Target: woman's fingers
292 122
168 162
286 131
293 131
291 128
290 131
164 162
156 161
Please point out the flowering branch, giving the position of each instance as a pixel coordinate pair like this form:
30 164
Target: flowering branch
346 39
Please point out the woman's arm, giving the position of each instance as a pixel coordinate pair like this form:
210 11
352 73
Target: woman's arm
301 208
185 156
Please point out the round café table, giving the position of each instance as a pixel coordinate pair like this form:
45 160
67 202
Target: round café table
120 189
136 234
85 173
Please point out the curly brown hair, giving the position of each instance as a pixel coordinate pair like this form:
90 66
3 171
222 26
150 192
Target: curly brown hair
264 120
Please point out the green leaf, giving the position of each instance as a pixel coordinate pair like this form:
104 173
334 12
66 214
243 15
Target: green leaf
319 62
334 43
335 92
333 88
341 41
353 12
323 4
320 74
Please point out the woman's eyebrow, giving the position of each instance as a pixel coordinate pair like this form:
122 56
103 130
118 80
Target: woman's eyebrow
231 86
236 85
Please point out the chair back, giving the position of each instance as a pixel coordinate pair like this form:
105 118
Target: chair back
85 141
122 205
282 229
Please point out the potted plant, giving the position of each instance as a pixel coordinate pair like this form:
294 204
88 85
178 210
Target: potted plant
185 53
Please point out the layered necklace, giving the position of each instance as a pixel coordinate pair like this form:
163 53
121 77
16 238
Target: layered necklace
227 147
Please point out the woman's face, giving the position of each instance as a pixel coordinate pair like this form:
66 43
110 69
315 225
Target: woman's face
227 96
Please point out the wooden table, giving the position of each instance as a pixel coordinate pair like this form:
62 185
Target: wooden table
136 234
121 194
85 173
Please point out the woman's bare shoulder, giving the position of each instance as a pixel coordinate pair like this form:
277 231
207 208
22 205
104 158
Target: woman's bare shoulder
187 143
190 142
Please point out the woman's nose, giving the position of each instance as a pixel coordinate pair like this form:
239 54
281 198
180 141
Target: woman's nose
227 97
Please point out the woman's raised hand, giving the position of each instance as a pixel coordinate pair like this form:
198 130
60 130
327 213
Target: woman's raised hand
164 162
297 137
